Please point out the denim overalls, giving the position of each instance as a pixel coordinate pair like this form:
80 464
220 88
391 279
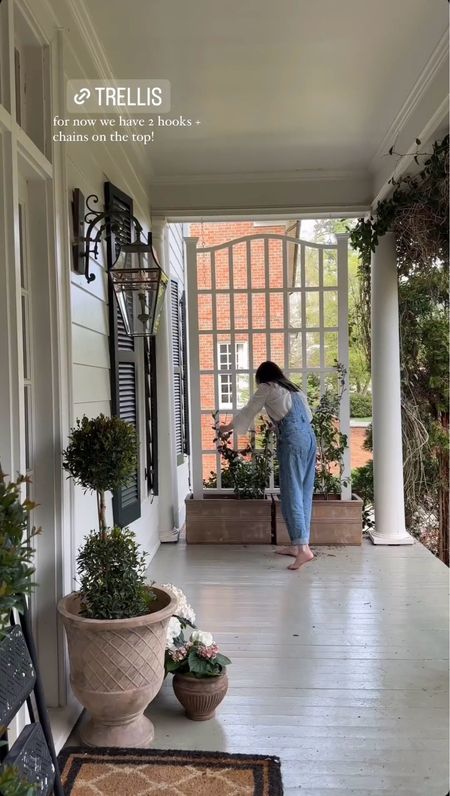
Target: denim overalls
297 461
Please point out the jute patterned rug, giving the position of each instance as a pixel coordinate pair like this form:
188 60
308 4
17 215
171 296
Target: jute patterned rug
145 772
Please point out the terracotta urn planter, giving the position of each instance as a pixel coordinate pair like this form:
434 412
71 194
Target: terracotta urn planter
116 669
200 696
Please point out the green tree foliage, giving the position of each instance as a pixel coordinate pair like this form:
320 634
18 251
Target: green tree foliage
359 332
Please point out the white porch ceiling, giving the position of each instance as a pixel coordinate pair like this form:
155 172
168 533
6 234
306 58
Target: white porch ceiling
285 90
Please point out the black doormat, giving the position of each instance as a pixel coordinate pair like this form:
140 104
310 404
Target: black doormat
131 772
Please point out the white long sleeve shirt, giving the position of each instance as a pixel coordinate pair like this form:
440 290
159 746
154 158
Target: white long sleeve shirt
275 399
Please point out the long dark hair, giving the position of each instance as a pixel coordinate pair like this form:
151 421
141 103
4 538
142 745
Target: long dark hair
269 371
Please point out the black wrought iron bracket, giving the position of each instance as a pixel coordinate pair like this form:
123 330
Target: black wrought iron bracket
100 224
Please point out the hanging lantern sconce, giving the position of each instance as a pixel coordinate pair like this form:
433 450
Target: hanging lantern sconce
138 281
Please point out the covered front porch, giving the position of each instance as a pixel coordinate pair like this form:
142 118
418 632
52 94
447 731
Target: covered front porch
341 668
341 672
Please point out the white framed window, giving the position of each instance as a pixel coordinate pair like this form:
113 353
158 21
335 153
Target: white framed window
226 363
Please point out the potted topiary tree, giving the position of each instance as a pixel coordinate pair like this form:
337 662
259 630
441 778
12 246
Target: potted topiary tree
116 624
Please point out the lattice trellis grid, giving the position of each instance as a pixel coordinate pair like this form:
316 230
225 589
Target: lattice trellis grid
264 296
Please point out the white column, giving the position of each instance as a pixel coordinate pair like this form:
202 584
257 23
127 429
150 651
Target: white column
387 422
164 393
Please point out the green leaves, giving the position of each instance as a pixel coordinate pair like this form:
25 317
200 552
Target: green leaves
13 784
102 453
331 443
196 659
112 576
16 553
247 470
417 211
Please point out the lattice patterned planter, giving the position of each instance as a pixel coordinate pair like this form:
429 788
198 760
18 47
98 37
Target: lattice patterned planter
227 520
116 669
334 521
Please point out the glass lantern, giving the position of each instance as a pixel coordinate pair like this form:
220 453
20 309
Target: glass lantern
139 285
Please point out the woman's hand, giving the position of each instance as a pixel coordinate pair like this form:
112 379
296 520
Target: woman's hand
224 429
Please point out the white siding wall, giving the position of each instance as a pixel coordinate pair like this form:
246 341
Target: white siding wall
90 352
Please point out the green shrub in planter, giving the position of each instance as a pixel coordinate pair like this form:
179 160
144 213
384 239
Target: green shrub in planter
102 456
16 553
112 576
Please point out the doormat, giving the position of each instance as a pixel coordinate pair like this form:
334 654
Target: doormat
135 772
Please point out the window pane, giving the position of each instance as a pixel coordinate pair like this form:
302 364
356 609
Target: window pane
295 309
313 349
330 348
241 356
204 271
329 267
209 463
311 267
312 309
259 349
277 348
257 264
259 320
206 357
330 308
240 265
276 311
243 390
295 350
205 311
240 311
222 269
275 263
208 399
223 310
208 433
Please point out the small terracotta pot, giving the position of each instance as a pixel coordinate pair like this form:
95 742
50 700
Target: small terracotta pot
116 669
200 696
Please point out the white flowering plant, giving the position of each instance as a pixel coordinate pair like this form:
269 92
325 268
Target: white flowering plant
199 657
183 617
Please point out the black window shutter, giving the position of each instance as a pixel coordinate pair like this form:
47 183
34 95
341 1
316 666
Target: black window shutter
123 364
185 372
151 417
177 367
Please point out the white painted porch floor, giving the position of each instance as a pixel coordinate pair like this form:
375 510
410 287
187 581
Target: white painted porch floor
340 669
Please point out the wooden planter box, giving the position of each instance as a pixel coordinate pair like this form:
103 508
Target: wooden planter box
227 520
334 521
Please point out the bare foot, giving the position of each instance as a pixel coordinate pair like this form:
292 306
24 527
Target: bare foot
302 558
288 551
